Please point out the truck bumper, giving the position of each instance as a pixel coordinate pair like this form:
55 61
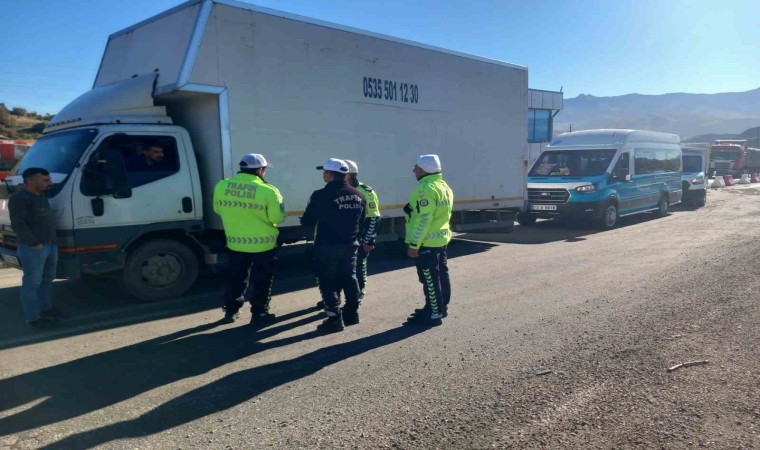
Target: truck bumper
69 267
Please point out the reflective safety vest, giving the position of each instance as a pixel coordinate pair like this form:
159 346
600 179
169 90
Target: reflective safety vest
250 209
428 213
370 198
371 221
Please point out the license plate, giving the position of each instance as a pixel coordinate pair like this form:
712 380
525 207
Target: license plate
12 260
544 207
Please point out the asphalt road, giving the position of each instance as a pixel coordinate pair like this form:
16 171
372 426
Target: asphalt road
558 337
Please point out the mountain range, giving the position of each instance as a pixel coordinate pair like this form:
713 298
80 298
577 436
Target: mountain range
687 115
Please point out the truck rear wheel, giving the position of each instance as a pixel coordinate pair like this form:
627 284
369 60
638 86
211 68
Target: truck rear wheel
160 269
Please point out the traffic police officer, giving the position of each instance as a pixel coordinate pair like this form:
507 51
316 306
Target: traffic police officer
250 209
335 212
427 234
369 225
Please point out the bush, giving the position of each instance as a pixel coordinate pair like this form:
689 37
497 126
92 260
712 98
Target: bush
18 111
5 131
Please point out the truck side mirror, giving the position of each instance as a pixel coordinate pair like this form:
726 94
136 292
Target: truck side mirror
106 174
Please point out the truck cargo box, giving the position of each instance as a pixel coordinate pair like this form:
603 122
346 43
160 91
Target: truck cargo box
244 79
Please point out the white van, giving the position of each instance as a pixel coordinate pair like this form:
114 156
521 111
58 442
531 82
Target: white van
696 158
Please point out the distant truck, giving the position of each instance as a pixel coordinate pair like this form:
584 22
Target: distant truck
601 175
733 157
11 151
234 79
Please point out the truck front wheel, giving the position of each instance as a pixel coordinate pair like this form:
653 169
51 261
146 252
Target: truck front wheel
160 269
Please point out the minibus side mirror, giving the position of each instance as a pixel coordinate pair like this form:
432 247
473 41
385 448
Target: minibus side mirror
621 175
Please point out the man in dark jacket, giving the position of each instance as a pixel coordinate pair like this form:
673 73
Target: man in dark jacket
34 224
335 212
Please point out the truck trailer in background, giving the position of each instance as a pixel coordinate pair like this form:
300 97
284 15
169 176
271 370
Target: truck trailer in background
212 80
11 151
733 157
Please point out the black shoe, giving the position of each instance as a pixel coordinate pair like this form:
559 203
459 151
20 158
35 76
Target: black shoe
424 321
230 316
422 312
54 313
321 304
44 323
332 324
350 317
262 318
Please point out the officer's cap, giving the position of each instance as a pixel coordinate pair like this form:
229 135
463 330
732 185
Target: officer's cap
334 165
353 168
429 163
253 161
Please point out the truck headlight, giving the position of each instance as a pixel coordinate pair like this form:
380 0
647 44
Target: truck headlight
698 180
585 189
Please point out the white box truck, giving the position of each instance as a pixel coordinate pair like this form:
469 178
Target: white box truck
212 80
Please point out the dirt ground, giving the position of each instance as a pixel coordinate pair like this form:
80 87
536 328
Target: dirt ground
559 337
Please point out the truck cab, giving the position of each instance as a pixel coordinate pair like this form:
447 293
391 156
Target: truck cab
117 210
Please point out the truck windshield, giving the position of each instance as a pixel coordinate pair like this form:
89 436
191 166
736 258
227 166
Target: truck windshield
692 163
724 156
572 163
57 153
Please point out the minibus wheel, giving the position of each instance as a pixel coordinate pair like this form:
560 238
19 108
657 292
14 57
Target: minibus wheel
703 200
662 207
609 217
525 219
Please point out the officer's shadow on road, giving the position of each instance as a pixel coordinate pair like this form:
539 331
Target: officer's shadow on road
102 307
88 384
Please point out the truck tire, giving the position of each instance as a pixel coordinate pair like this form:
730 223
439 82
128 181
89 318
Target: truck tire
160 269
525 219
609 217
662 207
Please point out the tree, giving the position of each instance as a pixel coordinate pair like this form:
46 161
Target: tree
18 111
5 117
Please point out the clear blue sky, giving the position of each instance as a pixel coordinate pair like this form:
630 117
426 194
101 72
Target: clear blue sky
51 49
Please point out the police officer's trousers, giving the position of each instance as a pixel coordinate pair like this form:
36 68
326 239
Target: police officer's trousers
433 272
335 266
256 269
361 267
